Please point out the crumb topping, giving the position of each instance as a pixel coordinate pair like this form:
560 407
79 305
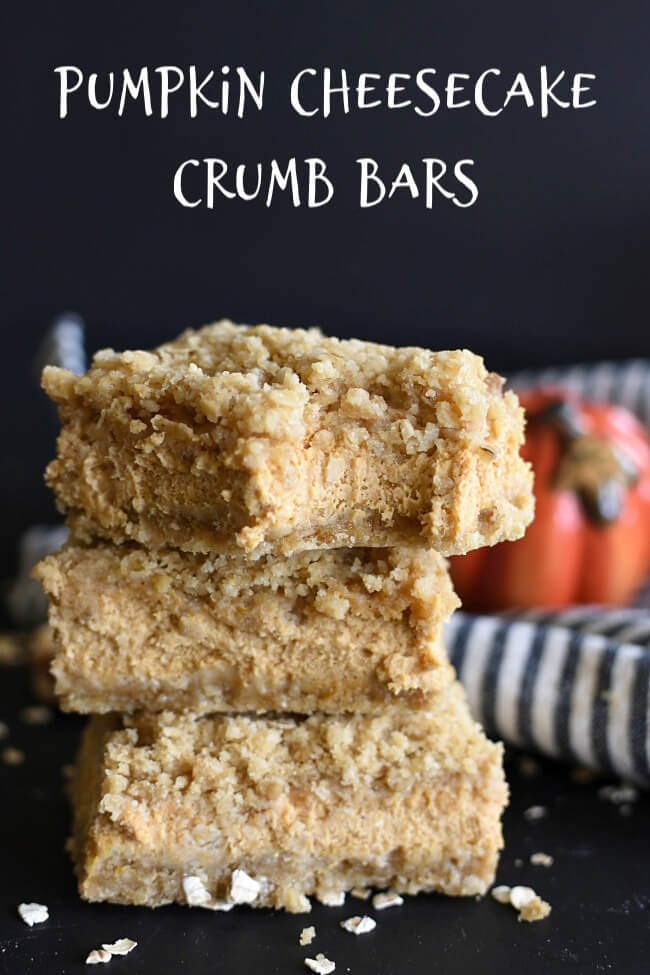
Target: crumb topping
261 759
290 384
307 935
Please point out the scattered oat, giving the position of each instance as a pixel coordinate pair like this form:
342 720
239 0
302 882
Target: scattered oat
36 714
501 894
320 964
519 862
12 756
529 766
197 895
535 910
388 898
534 813
525 901
98 956
541 859
619 794
583 776
33 913
332 898
243 888
307 935
359 925
530 905
520 896
121 947
361 893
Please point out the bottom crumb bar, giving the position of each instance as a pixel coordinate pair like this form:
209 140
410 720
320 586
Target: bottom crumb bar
270 810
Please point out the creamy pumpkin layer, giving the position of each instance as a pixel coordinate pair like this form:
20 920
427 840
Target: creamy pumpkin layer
329 630
260 439
272 810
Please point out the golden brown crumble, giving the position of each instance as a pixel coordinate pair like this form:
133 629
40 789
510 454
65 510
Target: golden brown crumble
261 438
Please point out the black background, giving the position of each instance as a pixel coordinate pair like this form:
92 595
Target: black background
550 265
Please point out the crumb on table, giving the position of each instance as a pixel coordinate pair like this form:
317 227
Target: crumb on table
388 898
359 925
526 902
320 964
33 913
307 935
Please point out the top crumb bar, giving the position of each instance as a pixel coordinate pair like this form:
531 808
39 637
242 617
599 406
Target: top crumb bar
260 439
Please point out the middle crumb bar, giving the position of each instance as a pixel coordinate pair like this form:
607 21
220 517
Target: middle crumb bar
329 630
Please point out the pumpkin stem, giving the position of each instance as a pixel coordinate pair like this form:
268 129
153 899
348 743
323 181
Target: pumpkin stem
592 467
563 415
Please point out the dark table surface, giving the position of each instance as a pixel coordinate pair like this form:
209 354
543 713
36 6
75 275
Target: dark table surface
598 885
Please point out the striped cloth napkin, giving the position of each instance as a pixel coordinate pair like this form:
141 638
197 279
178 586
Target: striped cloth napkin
574 684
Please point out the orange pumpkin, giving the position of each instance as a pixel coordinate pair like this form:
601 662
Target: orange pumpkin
590 540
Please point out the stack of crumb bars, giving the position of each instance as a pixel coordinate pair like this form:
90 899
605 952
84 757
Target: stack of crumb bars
250 606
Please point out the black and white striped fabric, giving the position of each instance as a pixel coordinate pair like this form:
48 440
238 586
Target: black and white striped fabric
626 383
573 684
576 689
